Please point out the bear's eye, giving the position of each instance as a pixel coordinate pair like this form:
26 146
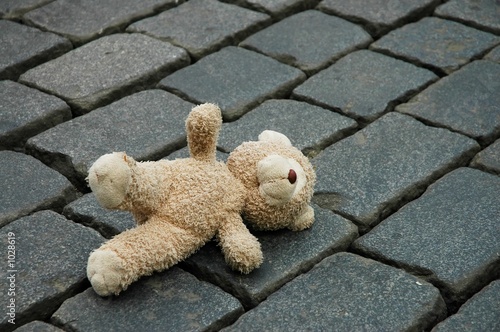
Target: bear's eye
292 176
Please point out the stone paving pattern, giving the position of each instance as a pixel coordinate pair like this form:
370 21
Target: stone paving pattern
396 103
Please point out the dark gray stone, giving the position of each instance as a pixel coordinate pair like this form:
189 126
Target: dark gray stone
85 20
50 263
170 301
202 26
449 235
25 112
467 101
309 40
184 153
28 186
346 292
38 326
480 313
276 8
370 174
234 78
146 125
286 255
10 9
481 14
364 85
106 69
87 211
488 159
494 55
439 44
378 16
23 47
310 128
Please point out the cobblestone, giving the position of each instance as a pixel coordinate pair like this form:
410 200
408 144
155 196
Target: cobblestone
309 40
106 69
28 186
286 254
146 125
48 268
368 175
86 20
481 14
439 44
174 300
397 109
22 48
456 221
488 159
468 106
350 293
310 128
235 78
25 112
202 26
480 313
378 16
364 85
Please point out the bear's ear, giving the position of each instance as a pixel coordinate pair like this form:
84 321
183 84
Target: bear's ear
274 137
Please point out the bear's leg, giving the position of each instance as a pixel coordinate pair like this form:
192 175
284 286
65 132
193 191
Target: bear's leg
153 246
304 221
240 248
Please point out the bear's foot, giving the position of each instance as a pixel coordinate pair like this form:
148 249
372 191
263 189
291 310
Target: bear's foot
105 272
304 221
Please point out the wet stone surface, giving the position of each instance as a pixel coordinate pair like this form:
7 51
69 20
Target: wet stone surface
439 44
456 221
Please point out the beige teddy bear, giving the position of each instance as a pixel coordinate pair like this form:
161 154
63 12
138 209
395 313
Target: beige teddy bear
279 182
179 205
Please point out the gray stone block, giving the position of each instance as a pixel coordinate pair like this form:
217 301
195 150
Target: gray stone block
286 255
146 125
170 301
49 266
85 20
466 101
25 112
480 313
309 40
378 16
23 47
370 174
494 55
38 326
277 8
184 153
202 26
346 292
106 69
435 43
310 128
28 186
449 235
11 9
481 14
488 159
364 85
87 211
234 78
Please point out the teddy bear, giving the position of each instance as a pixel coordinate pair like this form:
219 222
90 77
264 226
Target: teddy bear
279 183
178 205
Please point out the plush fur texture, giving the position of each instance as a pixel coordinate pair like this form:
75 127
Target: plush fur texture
179 205
279 182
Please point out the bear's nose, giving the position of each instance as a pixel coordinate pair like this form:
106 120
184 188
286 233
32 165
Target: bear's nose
292 176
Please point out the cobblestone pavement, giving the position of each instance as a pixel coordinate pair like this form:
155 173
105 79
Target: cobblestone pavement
397 103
